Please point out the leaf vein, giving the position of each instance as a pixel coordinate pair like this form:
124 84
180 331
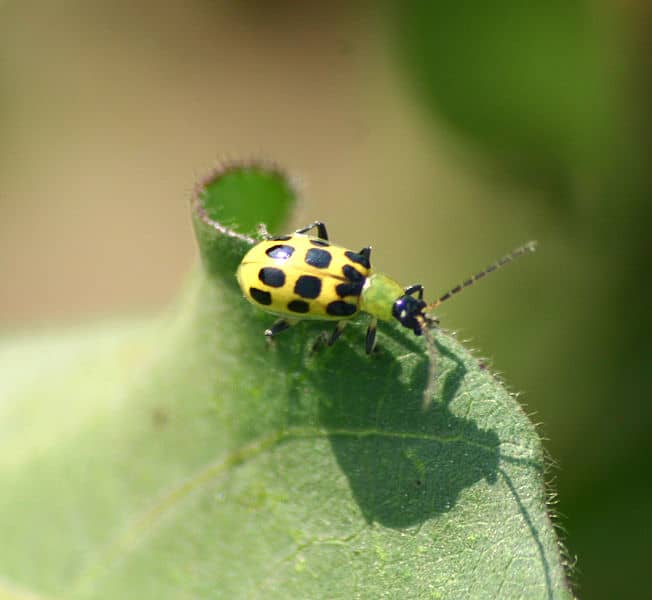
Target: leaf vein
130 536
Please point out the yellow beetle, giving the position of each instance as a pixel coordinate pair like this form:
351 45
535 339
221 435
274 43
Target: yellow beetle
299 276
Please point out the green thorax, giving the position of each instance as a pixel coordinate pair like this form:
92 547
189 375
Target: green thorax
378 296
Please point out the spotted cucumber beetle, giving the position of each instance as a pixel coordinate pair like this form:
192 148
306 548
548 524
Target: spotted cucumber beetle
300 276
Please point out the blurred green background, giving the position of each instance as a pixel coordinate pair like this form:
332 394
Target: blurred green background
442 133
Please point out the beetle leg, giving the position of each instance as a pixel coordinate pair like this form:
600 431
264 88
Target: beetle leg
371 336
366 254
321 229
263 233
337 331
416 288
278 326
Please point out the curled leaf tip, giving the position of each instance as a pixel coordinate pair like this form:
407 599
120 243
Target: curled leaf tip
229 204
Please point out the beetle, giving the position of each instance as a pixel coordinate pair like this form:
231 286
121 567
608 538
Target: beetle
305 277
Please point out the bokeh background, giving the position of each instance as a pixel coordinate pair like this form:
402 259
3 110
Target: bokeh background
442 133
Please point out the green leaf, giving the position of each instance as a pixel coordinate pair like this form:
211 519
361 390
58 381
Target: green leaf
181 457
524 81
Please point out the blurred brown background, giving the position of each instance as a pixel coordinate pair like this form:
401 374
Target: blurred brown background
442 134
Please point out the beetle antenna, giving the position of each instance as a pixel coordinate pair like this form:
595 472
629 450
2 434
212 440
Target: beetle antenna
505 260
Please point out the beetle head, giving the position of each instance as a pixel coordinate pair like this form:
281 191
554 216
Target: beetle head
408 310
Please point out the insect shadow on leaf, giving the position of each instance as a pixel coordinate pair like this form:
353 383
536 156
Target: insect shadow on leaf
403 465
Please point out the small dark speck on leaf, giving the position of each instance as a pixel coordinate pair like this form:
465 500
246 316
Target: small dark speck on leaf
159 417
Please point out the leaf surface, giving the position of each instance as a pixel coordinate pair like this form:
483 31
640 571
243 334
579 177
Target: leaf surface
181 457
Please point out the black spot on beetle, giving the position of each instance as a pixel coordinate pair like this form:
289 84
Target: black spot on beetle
260 296
308 286
349 289
281 238
352 274
272 277
320 243
360 259
339 308
318 258
280 252
298 306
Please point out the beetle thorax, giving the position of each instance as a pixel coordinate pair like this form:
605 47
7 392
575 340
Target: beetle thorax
378 296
